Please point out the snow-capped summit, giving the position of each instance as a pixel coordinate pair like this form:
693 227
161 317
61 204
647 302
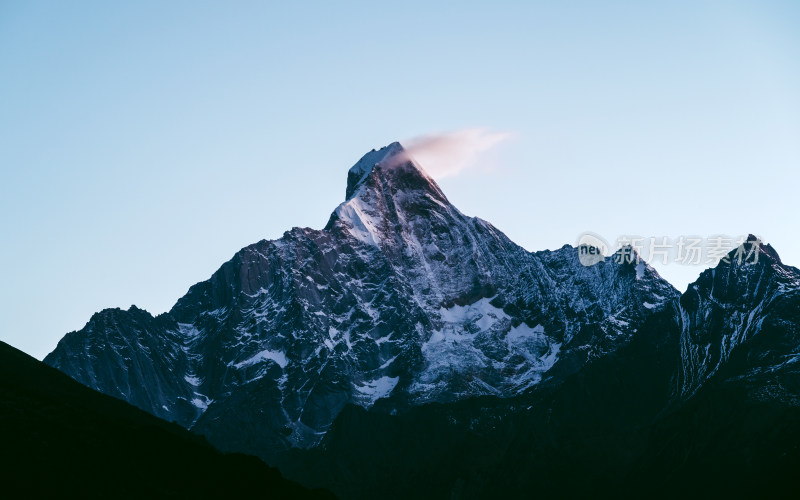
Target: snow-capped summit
392 154
389 162
388 196
374 157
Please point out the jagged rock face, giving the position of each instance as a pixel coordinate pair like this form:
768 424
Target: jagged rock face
400 300
704 397
741 319
133 356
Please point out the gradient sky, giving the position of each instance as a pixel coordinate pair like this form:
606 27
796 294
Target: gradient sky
143 143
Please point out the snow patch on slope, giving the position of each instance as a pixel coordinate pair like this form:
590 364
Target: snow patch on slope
467 343
277 356
362 225
373 390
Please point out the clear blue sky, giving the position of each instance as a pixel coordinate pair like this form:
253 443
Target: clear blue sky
143 143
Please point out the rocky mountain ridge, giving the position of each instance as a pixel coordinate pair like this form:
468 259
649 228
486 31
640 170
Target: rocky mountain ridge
401 297
407 323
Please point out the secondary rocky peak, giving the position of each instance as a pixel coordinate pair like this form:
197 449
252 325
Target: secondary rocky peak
754 246
745 263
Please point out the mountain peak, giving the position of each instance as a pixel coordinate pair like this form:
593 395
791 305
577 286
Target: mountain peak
752 247
389 155
372 158
386 189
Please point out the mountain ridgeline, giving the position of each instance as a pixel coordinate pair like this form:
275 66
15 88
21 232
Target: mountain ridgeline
407 349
